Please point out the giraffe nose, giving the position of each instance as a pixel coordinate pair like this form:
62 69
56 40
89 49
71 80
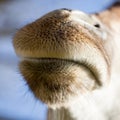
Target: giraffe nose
66 9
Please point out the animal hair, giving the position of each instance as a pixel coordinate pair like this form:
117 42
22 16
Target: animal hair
69 61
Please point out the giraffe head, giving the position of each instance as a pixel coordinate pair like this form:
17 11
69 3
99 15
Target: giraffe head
63 55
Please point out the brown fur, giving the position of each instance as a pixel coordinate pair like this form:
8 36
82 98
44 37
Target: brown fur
62 58
53 81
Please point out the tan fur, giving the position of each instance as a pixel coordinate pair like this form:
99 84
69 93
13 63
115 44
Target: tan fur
64 56
111 18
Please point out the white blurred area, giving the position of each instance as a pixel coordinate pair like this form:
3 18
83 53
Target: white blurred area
16 100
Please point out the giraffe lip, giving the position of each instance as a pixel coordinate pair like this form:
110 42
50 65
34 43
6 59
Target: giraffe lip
91 68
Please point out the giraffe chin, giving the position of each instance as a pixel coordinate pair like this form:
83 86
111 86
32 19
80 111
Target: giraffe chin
57 81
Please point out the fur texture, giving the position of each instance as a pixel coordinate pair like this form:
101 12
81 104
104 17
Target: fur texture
67 57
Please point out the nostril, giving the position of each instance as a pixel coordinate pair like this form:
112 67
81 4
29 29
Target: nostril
97 25
66 9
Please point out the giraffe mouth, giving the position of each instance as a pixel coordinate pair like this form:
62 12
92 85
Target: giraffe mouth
57 81
60 61
62 58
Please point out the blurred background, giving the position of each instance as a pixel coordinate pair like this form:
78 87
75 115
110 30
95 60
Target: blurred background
16 100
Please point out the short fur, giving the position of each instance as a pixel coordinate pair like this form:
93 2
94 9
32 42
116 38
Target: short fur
66 54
